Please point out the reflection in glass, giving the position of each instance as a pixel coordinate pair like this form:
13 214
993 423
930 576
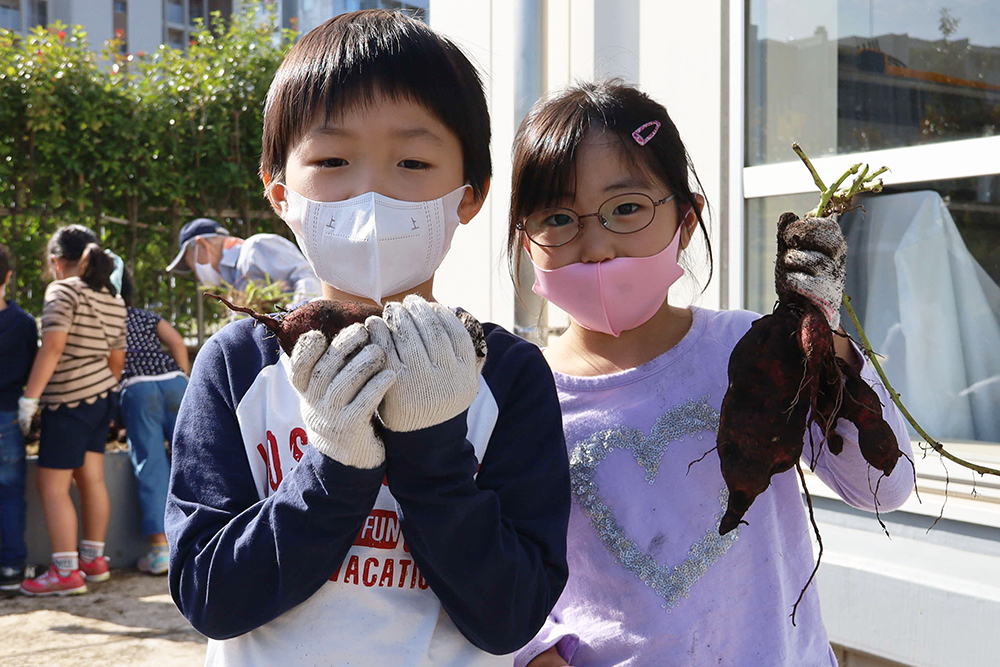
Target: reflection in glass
923 271
848 76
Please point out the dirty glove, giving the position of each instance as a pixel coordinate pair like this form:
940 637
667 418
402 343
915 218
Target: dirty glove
812 262
433 354
341 385
26 409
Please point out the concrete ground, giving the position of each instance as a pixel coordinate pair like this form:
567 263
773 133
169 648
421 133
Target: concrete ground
129 620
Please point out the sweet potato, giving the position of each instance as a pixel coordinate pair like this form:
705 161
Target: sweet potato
784 376
330 316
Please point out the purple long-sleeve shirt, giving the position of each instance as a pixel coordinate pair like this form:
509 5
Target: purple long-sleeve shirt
651 581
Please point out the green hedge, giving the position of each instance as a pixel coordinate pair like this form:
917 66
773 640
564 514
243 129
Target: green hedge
133 146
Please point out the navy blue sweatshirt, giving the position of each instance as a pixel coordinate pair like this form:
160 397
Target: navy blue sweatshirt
453 550
18 346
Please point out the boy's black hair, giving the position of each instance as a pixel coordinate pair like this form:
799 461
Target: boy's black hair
351 60
546 143
4 262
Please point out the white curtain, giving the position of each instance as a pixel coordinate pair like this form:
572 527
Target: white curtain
930 309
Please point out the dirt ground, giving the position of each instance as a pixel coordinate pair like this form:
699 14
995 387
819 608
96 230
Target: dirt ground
129 620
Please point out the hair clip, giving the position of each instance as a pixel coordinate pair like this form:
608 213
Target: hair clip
643 140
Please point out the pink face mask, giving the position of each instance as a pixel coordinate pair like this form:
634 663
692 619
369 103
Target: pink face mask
614 295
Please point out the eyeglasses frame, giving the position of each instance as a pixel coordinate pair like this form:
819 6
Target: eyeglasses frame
604 223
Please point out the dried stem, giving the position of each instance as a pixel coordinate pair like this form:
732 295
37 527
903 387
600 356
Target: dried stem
934 444
832 201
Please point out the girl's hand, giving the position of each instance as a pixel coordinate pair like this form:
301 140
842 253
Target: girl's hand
548 658
26 409
812 261
433 355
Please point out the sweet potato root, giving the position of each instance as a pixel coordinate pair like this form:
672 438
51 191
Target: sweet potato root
784 376
330 316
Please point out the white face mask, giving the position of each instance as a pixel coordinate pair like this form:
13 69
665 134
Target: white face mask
207 274
371 245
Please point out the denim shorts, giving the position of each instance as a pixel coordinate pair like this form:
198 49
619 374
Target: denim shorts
69 433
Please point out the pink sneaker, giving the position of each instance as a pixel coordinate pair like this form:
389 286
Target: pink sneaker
96 570
51 583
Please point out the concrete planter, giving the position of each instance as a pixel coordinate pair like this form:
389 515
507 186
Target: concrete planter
125 541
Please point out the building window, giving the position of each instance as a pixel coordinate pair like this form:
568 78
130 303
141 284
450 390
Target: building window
10 15
175 12
842 76
39 13
920 88
175 39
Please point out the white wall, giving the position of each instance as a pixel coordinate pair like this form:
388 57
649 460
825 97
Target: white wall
473 274
672 50
145 25
96 16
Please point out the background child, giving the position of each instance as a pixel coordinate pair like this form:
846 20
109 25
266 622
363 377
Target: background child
302 530
153 384
75 380
604 212
18 345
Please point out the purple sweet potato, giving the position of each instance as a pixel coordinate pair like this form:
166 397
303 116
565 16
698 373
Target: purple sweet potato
784 376
331 316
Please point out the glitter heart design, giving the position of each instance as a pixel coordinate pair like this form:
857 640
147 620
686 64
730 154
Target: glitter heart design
671 583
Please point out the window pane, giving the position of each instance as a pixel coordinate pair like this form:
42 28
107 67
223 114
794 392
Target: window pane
852 75
175 11
39 13
175 39
923 274
10 15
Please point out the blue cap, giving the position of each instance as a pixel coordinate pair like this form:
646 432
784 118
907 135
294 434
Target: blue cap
195 228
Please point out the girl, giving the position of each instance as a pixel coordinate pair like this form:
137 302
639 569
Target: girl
74 379
603 205
153 384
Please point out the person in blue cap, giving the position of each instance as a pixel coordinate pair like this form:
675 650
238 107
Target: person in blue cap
216 257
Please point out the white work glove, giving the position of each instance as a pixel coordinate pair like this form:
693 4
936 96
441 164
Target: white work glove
26 409
437 368
812 261
341 385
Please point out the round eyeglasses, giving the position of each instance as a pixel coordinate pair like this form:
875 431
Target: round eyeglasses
622 214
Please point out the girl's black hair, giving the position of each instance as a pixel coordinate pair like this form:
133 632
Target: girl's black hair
128 287
77 244
546 144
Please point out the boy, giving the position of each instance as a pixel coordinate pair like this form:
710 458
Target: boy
18 345
305 529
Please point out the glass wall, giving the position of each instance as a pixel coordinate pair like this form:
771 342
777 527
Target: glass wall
843 77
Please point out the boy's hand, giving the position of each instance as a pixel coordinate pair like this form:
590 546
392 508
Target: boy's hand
341 385
26 409
812 261
436 365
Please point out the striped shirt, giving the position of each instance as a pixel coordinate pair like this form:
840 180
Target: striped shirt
95 324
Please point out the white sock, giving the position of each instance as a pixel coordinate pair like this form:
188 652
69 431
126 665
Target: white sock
90 550
66 562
